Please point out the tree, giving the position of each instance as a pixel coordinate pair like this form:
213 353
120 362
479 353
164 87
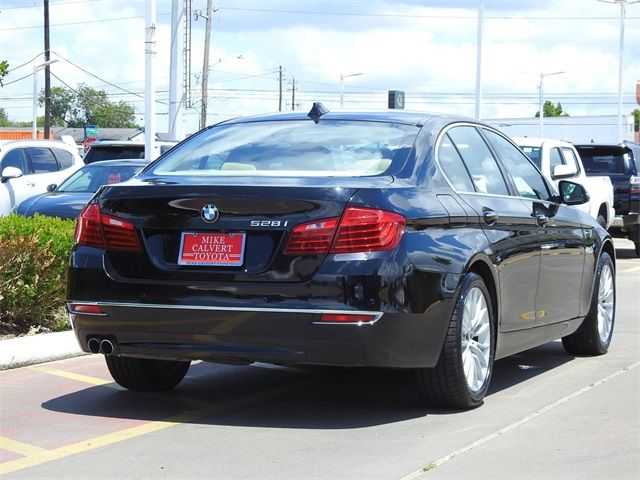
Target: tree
551 110
88 106
4 70
5 122
636 120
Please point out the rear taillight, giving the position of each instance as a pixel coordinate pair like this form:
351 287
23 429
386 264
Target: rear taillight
368 230
634 187
358 230
312 238
88 230
96 229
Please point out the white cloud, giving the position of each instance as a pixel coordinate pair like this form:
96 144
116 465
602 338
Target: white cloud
426 48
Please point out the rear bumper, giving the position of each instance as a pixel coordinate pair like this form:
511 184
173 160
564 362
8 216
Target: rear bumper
245 335
269 321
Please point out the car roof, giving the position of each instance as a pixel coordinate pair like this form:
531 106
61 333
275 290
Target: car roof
126 162
391 115
36 143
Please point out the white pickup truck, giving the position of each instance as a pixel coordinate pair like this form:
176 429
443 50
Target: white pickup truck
559 160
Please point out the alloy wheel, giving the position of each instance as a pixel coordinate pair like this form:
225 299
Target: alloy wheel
475 339
606 301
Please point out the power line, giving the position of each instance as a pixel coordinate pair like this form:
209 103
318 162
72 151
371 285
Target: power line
400 15
84 22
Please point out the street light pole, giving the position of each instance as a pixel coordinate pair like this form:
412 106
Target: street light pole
623 5
342 77
541 100
37 68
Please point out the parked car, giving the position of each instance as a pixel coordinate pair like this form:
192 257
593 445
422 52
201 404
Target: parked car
27 167
122 149
389 239
559 160
622 164
69 198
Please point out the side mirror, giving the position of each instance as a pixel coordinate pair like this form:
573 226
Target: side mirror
52 187
563 171
10 172
572 193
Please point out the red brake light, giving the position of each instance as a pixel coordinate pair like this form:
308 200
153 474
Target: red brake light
119 234
359 230
634 185
312 238
88 227
368 230
95 229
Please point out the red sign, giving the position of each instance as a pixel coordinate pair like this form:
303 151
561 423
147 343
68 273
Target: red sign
87 143
212 249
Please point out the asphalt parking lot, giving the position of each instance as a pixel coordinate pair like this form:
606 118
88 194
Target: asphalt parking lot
548 415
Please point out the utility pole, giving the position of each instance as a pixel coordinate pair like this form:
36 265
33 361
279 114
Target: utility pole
479 58
47 72
293 93
205 66
174 104
280 84
150 81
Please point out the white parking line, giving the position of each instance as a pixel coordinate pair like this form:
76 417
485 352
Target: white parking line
431 465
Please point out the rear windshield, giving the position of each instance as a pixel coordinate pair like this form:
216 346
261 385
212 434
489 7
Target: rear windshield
291 148
604 160
98 154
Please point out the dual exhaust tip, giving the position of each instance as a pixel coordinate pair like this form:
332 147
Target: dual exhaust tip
104 345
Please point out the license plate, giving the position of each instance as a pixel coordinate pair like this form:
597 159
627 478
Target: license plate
211 249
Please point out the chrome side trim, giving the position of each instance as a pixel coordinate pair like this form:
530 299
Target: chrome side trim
315 311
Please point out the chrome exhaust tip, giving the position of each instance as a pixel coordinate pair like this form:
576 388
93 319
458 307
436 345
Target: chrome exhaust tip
94 345
106 347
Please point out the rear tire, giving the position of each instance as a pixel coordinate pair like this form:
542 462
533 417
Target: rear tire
146 374
637 248
461 377
593 337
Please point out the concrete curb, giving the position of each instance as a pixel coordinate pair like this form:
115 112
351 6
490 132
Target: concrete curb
32 349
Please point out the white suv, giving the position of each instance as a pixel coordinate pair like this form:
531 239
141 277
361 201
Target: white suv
28 167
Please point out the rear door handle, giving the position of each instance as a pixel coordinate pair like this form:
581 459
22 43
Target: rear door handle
490 217
542 219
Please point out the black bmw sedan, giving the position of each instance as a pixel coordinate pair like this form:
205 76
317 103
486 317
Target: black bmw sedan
391 239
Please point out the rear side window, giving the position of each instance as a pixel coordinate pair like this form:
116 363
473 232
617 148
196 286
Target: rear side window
292 148
483 168
15 158
570 158
42 160
527 179
65 159
453 166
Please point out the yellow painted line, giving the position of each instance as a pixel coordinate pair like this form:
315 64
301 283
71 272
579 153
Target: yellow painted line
72 376
20 448
40 457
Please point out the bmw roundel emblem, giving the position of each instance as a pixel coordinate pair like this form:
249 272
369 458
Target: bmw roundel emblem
209 213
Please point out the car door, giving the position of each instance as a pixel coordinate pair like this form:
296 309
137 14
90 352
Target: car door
507 223
562 241
45 169
15 190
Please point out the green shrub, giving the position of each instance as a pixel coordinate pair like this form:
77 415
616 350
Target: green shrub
34 254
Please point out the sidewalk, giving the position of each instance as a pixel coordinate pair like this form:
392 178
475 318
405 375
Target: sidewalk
32 349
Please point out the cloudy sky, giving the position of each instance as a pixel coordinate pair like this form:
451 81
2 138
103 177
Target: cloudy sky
425 47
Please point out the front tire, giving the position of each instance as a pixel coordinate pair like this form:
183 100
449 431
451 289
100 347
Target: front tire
461 377
146 374
593 337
